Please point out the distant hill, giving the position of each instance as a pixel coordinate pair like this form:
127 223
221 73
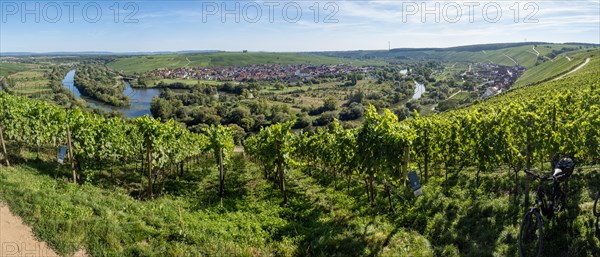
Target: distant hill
16 54
469 48
555 67
146 63
502 53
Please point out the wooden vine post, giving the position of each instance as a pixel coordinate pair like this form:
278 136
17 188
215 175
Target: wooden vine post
71 157
4 146
426 178
222 173
528 162
149 156
405 164
281 172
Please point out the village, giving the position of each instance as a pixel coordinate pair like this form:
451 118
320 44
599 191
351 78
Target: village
497 78
264 72
491 78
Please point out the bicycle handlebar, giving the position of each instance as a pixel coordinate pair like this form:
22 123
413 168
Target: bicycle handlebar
536 176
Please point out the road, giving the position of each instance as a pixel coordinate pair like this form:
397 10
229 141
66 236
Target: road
536 52
587 60
17 239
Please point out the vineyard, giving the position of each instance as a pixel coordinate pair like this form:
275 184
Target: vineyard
532 125
457 155
554 68
94 140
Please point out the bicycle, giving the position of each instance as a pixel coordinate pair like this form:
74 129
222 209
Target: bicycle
546 204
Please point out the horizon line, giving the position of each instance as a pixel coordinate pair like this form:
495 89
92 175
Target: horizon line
92 52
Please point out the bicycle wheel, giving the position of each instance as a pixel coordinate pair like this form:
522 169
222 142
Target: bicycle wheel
596 207
530 234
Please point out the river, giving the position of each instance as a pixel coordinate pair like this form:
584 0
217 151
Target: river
140 98
419 90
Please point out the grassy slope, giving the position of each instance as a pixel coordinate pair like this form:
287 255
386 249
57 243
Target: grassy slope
146 63
557 66
318 221
452 219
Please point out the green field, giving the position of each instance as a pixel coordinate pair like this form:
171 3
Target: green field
31 83
10 68
151 62
553 68
29 75
453 102
314 95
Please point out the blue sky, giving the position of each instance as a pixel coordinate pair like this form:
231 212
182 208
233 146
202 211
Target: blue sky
338 25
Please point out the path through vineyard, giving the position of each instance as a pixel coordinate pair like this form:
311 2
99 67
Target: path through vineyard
587 60
17 239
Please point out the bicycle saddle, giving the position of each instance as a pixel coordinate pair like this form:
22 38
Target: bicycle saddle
559 174
564 168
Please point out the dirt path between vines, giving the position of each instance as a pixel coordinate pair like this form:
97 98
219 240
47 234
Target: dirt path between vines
574 70
17 239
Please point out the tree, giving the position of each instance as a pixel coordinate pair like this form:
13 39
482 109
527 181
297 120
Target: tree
330 104
356 97
161 108
325 118
413 105
238 114
302 121
352 112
